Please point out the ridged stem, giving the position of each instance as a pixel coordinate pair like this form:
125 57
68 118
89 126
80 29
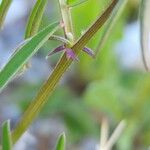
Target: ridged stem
49 86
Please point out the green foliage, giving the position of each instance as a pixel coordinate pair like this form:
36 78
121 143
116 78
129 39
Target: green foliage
35 18
123 97
105 96
4 6
61 142
24 53
72 3
6 136
111 92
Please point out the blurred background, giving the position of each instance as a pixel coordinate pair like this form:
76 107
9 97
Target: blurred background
114 86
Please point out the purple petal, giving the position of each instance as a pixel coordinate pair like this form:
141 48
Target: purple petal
70 54
89 51
56 50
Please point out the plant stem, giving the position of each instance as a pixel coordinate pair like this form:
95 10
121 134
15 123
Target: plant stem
41 98
66 17
49 86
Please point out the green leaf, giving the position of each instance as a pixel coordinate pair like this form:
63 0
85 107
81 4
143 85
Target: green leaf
145 31
6 136
61 142
111 23
73 3
24 53
5 4
33 26
35 18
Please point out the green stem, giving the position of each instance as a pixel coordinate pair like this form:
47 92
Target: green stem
49 86
66 17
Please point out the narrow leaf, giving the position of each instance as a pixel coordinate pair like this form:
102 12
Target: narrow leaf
4 6
6 136
24 53
35 18
25 66
145 31
111 23
61 142
33 26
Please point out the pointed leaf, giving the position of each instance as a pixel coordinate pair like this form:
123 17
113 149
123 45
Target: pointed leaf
35 18
24 53
33 26
4 6
145 31
111 22
61 142
6 136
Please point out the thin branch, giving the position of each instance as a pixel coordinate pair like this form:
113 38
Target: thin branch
66 17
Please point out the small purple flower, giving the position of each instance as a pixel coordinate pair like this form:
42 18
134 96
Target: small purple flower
70 53
56 50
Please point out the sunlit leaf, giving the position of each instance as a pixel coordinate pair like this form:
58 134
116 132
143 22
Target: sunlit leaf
6 136
24 53
5 4
35 18
61 142
145 31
